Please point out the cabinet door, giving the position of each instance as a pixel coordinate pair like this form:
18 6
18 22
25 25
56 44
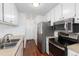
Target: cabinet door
77 10
58 12
77 13
1 17
68 10
15 13
48 16
10 13
52 17
20 50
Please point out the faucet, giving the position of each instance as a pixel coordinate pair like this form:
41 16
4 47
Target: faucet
8 39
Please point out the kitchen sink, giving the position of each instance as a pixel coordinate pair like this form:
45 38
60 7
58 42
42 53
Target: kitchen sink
10 44
14 40
7 45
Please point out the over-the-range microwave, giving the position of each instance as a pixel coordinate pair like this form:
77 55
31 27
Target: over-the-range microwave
68 25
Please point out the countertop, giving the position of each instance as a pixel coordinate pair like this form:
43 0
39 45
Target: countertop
48 37
11 51
74 47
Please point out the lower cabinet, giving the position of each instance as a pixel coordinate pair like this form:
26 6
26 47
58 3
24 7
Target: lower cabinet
72 53
20 50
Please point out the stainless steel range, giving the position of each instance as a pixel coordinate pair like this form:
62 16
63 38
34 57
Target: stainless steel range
67 39
60 44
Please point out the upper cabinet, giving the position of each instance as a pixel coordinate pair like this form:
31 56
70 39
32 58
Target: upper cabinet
48 16
68 10
77 10
52 17
1 18
10 13
63 11
58 12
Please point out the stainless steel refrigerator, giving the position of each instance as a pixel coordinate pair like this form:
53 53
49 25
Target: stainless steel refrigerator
43 29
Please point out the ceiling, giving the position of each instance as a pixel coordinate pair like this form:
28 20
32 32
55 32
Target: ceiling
29 9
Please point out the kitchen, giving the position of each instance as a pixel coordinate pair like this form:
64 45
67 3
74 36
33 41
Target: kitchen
52 27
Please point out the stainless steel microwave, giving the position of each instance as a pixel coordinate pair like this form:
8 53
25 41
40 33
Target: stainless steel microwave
68 25
72 25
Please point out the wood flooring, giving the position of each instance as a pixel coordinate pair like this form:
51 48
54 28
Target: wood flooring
31 49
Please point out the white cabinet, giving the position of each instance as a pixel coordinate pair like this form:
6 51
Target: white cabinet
48 17
72 53
15 13
77 13
68 10
10 13
77 10
58 12
20 50
52 17
1 17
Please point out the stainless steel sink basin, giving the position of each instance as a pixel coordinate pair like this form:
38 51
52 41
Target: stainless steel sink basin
7 45
10 44
14 40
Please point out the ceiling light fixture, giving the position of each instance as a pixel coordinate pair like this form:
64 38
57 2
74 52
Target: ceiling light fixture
36 4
